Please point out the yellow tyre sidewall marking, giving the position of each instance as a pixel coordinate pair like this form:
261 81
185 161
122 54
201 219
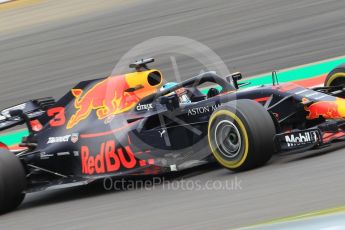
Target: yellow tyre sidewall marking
216 154
335 76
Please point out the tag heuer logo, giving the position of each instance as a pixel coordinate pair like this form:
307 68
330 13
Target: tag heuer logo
74 137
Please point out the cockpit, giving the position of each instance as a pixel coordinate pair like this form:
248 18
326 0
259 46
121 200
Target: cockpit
201 87
198 88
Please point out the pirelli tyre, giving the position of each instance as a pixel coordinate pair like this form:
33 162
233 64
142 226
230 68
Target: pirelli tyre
12 181
336 77
241 135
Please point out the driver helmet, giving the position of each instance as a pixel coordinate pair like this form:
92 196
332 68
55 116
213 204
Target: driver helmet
181 92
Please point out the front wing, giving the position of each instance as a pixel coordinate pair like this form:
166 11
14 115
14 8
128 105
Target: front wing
323 135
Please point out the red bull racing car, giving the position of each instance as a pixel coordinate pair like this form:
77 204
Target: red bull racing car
134 124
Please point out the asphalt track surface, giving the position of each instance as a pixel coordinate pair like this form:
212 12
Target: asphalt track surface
47 57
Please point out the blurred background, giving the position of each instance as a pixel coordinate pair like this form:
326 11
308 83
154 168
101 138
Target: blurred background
47 46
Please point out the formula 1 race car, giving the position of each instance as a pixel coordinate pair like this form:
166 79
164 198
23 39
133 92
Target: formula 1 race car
133 124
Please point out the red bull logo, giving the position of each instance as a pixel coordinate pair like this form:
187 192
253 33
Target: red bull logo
327 109
110 159
107 97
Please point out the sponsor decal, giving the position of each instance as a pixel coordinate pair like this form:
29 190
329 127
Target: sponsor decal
302 138
74 137
52 140
202 110
162 132
106 98
147 107
326 109
109 159
45 156
63 153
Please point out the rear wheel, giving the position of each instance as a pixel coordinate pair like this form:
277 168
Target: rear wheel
12 181
241 135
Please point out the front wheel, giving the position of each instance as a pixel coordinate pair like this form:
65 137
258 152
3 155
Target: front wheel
336 77
12 181
241 135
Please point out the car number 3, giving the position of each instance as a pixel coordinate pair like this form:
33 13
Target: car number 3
58 116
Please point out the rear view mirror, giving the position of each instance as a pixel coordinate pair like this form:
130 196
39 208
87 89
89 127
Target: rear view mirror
235 78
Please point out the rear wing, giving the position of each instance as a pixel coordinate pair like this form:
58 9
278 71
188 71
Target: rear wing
32 109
